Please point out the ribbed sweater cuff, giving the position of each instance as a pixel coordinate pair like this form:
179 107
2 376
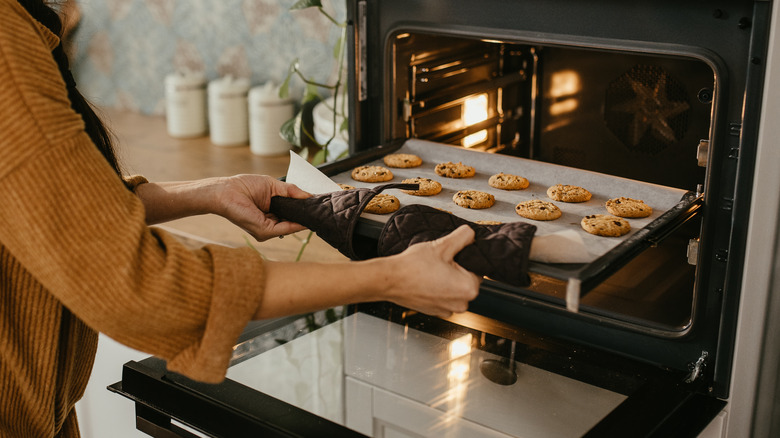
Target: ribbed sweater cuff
232 308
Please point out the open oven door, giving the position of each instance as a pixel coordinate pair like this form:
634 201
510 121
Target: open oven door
380 370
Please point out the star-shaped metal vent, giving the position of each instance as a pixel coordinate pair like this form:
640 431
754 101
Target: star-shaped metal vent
647 109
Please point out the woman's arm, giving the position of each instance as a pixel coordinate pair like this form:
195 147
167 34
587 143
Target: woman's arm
242 199
424 278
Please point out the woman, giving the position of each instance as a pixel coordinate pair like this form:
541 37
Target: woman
77 255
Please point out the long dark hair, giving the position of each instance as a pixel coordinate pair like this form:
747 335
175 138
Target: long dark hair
100 135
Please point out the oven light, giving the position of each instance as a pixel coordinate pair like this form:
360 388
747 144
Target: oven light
475 110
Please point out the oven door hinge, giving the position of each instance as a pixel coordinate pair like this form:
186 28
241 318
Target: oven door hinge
697 368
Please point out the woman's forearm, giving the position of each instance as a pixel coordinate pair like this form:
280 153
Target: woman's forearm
167 201
293 288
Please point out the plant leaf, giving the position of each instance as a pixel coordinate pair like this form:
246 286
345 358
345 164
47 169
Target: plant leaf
311 93
319 157
290 130
284 89
303 4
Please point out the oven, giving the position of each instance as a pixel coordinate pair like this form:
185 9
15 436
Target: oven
661 96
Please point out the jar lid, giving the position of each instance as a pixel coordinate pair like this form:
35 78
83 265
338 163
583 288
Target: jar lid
229 84
267 94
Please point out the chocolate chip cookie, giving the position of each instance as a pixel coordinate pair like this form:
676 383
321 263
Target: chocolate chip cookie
506 181
538 210
605 225
473 199
454 170
488 222
428 187
627 207
382 203
372 174
402 160
568 193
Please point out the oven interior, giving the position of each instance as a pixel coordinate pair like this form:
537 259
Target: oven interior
634 115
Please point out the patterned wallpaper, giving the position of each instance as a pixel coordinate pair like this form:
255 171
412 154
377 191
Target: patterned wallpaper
123 49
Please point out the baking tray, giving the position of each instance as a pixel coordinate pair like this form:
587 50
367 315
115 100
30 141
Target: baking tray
561 249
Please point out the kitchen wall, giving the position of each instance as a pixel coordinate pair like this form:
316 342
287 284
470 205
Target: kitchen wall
123 49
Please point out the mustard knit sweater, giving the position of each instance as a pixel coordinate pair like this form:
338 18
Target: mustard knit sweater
76 256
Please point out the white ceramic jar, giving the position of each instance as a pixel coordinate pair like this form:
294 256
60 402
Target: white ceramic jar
267 113
228 113
185 105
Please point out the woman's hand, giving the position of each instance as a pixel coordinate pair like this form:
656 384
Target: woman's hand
427 278
245 200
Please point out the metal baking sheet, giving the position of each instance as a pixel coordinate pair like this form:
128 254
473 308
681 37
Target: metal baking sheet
573 244
561 248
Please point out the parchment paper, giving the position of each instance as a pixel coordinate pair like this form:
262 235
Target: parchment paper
560 241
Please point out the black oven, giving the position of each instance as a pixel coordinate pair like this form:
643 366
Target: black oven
665 94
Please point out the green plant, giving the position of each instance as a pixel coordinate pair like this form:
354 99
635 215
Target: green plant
294 128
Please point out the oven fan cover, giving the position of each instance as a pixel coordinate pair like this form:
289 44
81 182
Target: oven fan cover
647 109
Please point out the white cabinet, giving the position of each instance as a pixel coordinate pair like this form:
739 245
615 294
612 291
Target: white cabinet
102 413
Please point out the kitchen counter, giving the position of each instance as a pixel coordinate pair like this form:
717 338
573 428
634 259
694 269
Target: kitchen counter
144 147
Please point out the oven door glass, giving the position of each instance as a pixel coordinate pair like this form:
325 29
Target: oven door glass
379 370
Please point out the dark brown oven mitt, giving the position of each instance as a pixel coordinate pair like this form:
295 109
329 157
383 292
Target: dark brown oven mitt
499 252
333 216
